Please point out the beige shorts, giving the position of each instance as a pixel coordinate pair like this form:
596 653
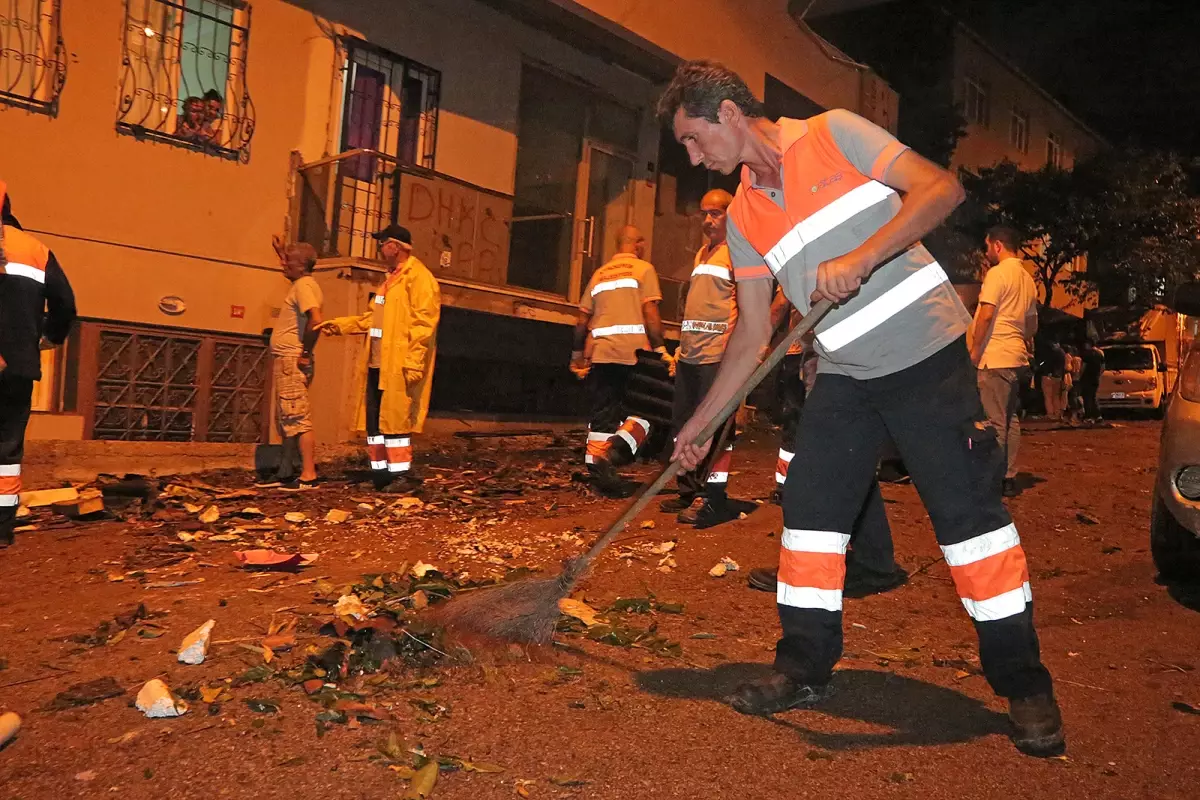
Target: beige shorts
292 413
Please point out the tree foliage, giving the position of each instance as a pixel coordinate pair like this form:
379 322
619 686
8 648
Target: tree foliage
1133 215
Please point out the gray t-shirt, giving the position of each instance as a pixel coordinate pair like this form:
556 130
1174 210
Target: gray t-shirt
303 296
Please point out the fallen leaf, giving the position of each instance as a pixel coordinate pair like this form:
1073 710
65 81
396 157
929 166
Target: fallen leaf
313 685
225 537
349 605
402 771
579 610
268 559
480 766
125 737
422 783
420 600
520 787
280 641
421 569
210 515
562 781
211 694
262 706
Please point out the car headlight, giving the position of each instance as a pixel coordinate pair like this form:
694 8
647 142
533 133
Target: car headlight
1189 378
1188 482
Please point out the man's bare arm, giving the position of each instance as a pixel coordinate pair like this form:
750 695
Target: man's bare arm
654 328
985 315
930 194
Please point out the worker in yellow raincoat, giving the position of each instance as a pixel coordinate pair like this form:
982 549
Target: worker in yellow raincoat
395 369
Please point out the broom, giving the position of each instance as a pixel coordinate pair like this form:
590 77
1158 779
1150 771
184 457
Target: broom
528 610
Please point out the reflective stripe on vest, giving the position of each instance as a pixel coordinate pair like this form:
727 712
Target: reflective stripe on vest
821 222
618 330
380 299
715 270
24 271
619 283
884 307
702 326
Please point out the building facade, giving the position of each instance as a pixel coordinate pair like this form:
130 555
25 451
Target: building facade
965 105
162 142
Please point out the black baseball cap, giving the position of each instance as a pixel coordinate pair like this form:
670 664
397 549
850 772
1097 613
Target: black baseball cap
397 232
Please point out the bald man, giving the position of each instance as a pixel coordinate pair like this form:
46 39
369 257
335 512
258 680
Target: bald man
619 310
708 319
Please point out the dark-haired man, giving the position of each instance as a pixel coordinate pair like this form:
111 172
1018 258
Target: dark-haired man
820 210
1002 339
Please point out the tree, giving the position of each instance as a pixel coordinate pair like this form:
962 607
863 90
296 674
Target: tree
1134 215
1060 222
1148 244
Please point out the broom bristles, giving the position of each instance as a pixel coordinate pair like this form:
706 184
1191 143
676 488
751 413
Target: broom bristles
524 611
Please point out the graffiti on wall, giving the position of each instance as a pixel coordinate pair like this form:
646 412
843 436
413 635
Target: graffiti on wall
458 230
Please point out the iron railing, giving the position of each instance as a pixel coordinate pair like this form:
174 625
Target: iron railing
183 75
33 67
390 105
458 229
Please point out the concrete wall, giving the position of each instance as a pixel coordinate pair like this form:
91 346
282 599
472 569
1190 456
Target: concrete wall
987 146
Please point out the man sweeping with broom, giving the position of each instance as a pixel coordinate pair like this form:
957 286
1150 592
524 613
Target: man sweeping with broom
820 211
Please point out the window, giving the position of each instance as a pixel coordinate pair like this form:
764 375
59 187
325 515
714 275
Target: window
1018 131
32 69
183 75
975 102
390 104
1054 150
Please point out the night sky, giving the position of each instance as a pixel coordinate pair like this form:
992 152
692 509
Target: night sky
1130 68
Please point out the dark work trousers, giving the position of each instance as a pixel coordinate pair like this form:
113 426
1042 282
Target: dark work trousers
390 452
15 396
871 537
606 385
692 382
933 414
1091 409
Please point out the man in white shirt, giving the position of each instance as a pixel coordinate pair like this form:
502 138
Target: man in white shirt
1003 330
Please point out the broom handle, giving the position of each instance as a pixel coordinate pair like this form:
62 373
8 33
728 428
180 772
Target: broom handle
646 495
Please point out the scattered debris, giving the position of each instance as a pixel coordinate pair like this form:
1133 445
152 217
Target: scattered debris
648 524
1086 519
111 631
337 516
261 706
156 700
10 725
86 694
272 559
579 610
39 498
84 504
195 645
173 584
422 783
1186 708
663 549
726 564
209 515
295 516
349 605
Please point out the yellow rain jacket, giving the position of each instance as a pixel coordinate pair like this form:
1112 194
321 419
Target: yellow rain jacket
412 307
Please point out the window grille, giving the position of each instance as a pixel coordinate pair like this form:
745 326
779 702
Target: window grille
183 75
33 64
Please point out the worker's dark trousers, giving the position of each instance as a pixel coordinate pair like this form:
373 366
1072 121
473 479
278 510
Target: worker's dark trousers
871 546
613 435
389 452
15 396
933 414
692 382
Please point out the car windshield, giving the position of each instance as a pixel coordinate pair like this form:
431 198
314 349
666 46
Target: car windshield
1128 358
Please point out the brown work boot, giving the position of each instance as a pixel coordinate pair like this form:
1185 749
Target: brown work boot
681 502
713 511
1037 726
767 696
763 579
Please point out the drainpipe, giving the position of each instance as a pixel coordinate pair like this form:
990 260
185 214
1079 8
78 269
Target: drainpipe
834 54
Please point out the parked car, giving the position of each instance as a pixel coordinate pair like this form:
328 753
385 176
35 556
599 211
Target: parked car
1175 514
1135 377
